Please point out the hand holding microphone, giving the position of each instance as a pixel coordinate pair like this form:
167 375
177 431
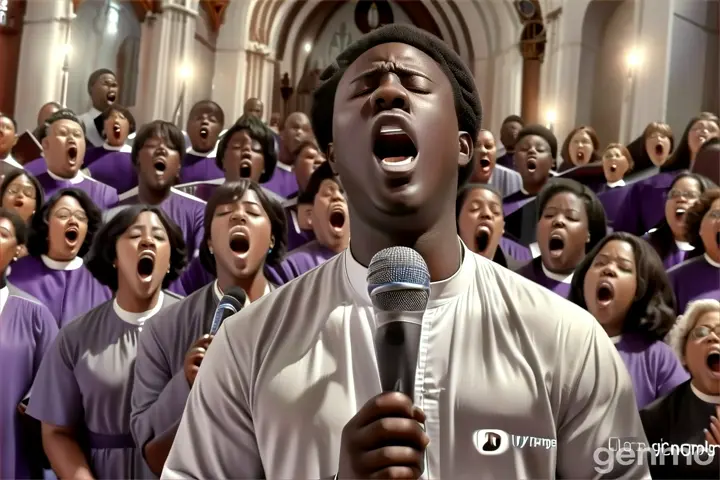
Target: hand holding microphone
385 438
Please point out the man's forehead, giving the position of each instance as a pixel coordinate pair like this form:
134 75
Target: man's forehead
400 53
65 123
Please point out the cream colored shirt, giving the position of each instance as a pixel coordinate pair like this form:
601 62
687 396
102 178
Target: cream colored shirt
284 376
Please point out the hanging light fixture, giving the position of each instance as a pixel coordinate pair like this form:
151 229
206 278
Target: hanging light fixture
373 16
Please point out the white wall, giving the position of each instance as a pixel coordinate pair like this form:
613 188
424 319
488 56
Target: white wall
96 44
694 81
203 59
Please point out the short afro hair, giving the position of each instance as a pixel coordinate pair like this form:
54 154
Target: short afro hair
467 102
38 243
103 253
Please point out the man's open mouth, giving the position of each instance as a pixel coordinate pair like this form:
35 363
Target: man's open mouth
394 149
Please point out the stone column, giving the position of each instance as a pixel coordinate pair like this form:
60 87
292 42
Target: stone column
166 61
41 58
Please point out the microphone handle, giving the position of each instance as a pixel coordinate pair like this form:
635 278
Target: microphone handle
397 342
223 311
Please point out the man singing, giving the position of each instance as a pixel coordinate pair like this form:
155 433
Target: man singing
290 387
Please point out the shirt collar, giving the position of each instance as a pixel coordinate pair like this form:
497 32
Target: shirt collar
684 246
122 148
93 112
73 264
283 166
522 189
11 161
558 277
711 261
139 318
4 294
219 294
616 339
440 292
619 183
79 177
211 154
704 396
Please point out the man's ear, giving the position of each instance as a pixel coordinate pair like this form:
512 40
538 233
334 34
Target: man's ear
466 144
45 142
330 155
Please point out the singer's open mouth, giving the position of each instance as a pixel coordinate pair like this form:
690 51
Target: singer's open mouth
146 265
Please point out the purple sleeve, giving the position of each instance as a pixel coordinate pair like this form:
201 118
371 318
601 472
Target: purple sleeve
158 397
669 372
111 198
56 396
199 230
194 277
45 331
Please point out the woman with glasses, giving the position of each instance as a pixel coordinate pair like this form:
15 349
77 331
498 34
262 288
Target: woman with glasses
676 424
61 233
21 193
700 277
670 237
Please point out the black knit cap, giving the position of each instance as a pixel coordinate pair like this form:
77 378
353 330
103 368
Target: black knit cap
543 132
467 101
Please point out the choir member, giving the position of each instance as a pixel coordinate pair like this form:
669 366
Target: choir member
253 107
707 161
296 130
683 417
45 112
83 389
481 225
103 90
623 283
204 125
505 180
21 193
329 220
571 221
274 123
156 155
54 272
8 139
290 387
64 150
617 163
670 237
509 131
645 200
659 142
229 196
243 236
27 328
699 277
580 148
534 155
246 150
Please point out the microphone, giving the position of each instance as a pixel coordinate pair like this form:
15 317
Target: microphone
231 303
399 287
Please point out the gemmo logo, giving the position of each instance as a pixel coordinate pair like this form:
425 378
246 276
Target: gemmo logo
624 453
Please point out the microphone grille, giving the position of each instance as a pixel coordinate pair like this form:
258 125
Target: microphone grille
398 280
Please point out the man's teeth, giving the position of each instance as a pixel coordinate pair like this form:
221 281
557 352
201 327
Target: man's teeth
398 164
391 129
680 211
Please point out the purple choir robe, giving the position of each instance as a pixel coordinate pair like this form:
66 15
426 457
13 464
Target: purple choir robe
515 201
506 161
613 200
86 381
94 154
519 252
198 167
68 293
695 279
534 271
303 259
27 330
676 255
644 205
185 210
116 170
205 190
676 419
104 196
296 236
195 277
36 167
654 368
283 181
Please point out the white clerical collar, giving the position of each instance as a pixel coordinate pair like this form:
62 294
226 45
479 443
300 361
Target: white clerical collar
684 246
112 148
522 189
619 183
4 294
219 294
711 261
211 154
79 177
282 166
704 396
558 277
73 264
616 339
11 161
440 292
138 318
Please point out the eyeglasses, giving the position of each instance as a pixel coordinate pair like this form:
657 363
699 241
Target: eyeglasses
28 191
703 331
714 214
675 194
65 214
